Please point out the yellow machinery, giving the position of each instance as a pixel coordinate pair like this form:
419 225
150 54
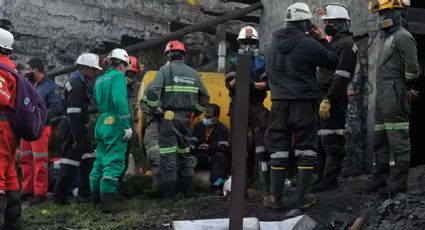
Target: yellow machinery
214 82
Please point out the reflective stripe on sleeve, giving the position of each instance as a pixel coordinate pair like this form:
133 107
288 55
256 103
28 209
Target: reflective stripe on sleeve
343 73
4 93
411 76
223 143
73 110
67 161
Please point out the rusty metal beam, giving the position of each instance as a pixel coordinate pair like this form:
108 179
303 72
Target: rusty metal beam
174 35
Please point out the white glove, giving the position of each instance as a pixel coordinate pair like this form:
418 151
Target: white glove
127 135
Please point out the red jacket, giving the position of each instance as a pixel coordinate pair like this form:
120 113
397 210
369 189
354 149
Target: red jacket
7 86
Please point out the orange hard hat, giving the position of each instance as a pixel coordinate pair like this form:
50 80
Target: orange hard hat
134 64
174 46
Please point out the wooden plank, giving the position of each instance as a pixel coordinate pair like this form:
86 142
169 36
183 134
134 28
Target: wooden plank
239 141
173 35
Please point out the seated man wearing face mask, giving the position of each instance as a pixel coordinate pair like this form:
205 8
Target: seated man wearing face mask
210 144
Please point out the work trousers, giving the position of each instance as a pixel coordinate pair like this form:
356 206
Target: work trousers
174 148
8 175
332 141
391 139
34 159
74 159
110 154
217 162
296 120
151 143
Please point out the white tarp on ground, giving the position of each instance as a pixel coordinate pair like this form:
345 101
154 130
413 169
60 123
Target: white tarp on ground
303 222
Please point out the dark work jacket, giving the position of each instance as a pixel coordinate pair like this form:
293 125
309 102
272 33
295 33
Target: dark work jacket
49 91
291 64
78 98
334 82
258 74
218 140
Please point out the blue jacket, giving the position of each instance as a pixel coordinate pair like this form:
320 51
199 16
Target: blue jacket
218 140
50 93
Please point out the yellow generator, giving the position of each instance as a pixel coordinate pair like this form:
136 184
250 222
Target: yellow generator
214 82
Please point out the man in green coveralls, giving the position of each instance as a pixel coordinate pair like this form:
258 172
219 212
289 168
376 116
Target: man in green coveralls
112 132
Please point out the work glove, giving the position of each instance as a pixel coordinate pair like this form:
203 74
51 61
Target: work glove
325 107
127 135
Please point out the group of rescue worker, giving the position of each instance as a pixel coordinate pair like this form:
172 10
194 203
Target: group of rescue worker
306 70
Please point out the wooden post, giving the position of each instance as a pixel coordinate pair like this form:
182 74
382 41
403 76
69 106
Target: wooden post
239 141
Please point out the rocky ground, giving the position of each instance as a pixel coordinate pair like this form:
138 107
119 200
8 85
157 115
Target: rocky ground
335 210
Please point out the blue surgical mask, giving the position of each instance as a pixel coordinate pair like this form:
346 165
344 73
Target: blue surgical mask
207 122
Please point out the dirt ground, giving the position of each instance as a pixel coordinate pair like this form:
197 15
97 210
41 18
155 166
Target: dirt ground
334 210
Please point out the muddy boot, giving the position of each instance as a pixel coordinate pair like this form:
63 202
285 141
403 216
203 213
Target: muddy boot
186 187
95 198
2 204
380 174
397 181
264 178
111 203
12 211
330 175
154 192
26 197
66 176
37 200
169 188
278 176
304 198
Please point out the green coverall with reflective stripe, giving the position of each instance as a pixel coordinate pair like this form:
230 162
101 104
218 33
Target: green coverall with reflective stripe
110 92
397 66
177 88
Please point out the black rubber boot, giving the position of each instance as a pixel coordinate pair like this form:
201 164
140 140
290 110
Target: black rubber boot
86 167
111 203
95 198
304 198
264 177
155 192
278 176
379 176
2 205
169 188
186 187
397 181
332 170
37 200
66 176
12 212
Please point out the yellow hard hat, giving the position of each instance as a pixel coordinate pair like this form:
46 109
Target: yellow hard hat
378 5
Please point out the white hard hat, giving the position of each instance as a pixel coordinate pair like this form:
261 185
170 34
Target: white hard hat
248 32
335 11
89 59
6 39
298 12
120 54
